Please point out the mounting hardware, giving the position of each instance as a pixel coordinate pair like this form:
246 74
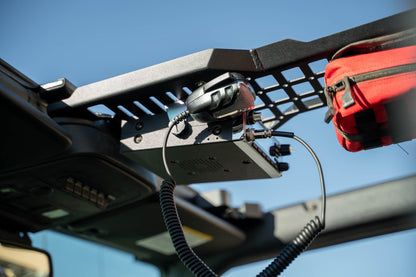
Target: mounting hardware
254 117
57 90
216 130
138 138
139 125
283 167
279 150
182 129
251 211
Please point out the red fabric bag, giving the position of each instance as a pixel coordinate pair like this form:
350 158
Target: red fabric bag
371 92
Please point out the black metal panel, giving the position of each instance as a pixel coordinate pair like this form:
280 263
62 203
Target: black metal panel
202 156
28 134
154 81
280 100
288 53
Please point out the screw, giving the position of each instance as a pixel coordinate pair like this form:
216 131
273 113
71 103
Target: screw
138 138
216 130
139 125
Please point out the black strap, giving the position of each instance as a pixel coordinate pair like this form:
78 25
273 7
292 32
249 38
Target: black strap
401 114
368 127
351 137
369 133
401 39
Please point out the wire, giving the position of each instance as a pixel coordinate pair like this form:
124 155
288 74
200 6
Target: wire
174 225
180 117
321 178
309 232
171 218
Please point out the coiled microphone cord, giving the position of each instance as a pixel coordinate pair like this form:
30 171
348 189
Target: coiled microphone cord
171 217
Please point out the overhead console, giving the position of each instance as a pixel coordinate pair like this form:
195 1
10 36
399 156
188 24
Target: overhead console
55 171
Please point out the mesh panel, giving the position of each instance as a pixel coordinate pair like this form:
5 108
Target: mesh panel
280 98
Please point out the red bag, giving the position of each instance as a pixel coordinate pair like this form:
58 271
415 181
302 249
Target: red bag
371 92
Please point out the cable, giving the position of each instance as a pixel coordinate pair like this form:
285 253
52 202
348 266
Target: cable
251 135
174 225
182 116
309 232
293 249
171 217
321 178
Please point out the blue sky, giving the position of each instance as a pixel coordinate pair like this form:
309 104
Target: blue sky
87 41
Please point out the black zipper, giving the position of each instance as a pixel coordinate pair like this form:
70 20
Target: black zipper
347 100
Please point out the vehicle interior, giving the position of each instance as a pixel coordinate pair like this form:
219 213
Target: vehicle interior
90 161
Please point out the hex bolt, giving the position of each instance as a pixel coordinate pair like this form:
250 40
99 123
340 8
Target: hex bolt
138 138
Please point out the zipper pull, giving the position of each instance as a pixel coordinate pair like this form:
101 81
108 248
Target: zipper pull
347 100
329 93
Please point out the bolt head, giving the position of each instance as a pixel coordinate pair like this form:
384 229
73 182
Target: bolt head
138 138
139 125
216 130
